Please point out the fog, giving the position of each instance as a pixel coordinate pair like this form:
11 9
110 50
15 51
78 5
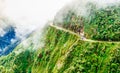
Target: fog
81 7
28 15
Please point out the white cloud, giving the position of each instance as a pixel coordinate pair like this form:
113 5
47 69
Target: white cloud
81 7
30 14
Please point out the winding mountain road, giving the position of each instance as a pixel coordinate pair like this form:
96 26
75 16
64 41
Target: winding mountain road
84 39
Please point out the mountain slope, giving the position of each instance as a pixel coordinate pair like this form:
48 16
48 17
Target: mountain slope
66 52
63 52
77 44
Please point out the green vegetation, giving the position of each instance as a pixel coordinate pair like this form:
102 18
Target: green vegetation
65 52
17 63
104 24
100 24
54 50
87 57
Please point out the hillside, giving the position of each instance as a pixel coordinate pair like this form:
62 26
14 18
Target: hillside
62 49
64 52
99 23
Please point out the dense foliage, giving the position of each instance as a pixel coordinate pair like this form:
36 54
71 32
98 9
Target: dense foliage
64 54
104 24
18 63
99 24
96 57
54 50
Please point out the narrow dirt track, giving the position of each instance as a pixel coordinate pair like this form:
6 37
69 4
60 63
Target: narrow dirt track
87 40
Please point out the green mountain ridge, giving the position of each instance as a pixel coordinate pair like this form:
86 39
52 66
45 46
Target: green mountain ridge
64 53
61 49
